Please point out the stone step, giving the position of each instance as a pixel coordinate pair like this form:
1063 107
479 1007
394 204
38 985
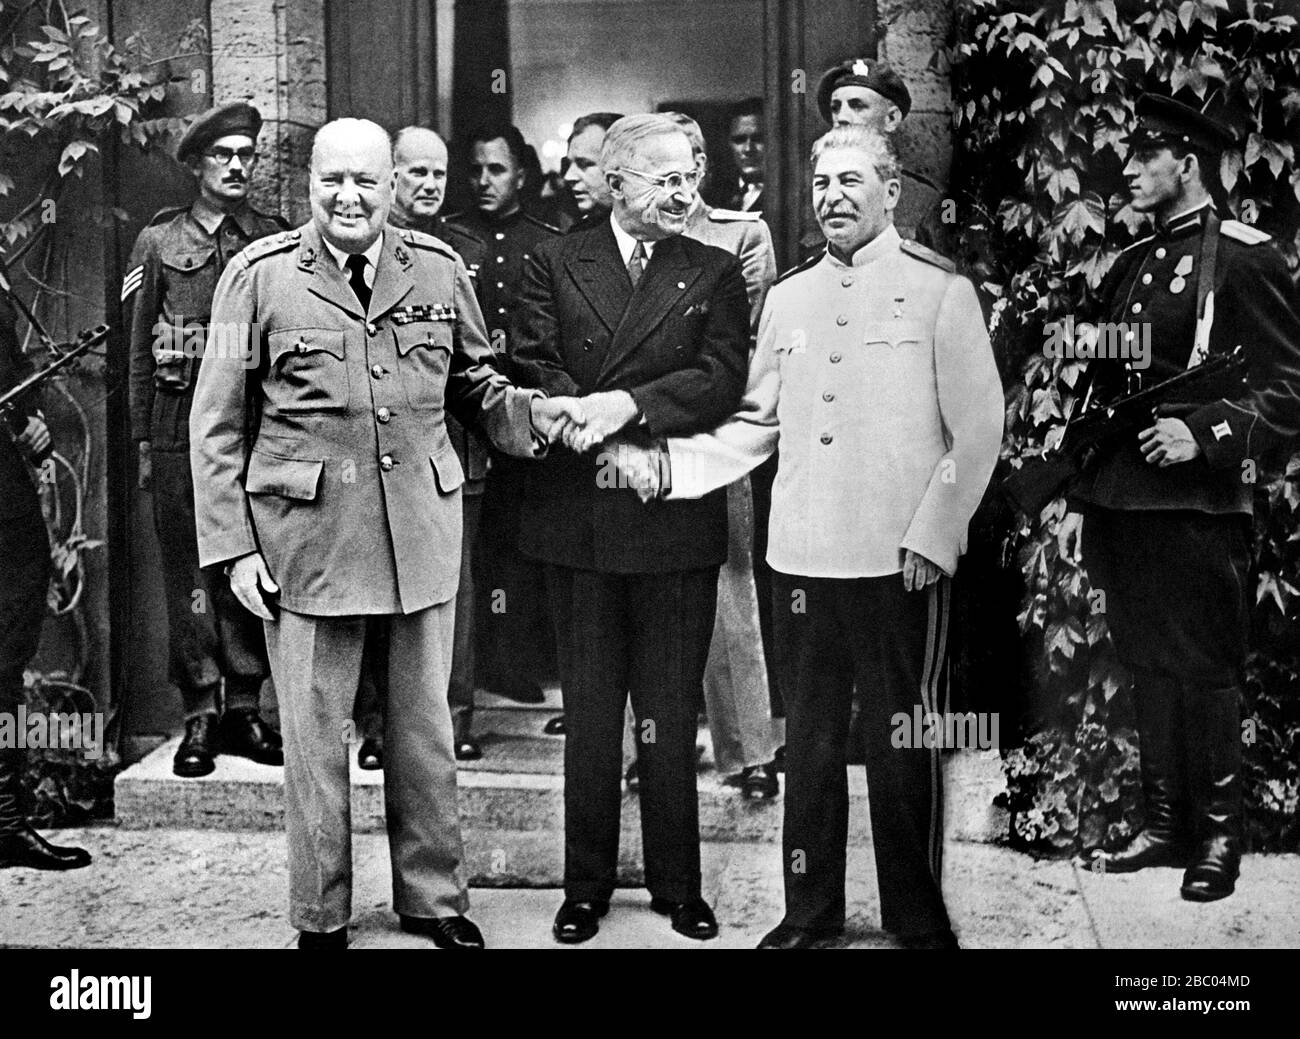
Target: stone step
512 802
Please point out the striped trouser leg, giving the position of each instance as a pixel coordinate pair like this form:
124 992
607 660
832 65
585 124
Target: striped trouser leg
899 646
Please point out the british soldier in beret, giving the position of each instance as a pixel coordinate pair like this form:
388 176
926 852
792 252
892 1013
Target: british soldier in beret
166 305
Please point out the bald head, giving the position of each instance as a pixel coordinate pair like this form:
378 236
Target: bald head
420 168
351 182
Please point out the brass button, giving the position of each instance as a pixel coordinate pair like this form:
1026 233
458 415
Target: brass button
841 320
828 396
827 438
1161 253
835 358
500 235
383 414
371 328
501 259
1137 308
1146 279
377 370
846 282
386 463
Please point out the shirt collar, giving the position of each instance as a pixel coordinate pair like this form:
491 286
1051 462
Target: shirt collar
371 254
210 218
884 243
627 244
1182 221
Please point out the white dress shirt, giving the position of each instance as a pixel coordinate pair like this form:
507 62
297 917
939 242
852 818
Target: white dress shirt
371 255
627 244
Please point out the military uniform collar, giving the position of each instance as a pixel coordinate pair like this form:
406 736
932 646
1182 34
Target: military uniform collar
371 254
882 245
210 218
1184 221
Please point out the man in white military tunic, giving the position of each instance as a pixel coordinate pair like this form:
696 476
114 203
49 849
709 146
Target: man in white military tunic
874 371
335 508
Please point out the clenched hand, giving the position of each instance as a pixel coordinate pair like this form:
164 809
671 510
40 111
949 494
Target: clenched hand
247 574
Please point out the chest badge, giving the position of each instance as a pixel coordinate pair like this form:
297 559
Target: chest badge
1183 269
898 307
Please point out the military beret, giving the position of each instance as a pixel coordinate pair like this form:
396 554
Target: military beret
238 117
863 72
1162 120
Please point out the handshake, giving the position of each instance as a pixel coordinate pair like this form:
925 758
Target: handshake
583 422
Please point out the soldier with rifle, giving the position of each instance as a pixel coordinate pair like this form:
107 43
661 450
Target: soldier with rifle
1167 510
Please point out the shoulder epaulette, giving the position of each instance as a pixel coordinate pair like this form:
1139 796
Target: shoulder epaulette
927 255
1240 232
725 216
422 240
812 261
457 229
275 218
276 243
170 213
541 223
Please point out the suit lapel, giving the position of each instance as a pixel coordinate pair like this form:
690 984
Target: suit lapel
668 276
602 279
392 277
327 281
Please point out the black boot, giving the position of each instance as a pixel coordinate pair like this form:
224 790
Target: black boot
1161 841
20 845
1214 766
198 749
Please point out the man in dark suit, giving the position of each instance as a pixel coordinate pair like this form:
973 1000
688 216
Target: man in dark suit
652 329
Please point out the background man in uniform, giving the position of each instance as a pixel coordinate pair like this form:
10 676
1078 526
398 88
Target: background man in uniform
748 144
653 327
341 510
420 181
25 549
869 92
874 369
1168 531
514 627
166 300
583 175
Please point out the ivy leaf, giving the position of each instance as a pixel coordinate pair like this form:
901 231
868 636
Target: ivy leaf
73 154
1061 180
1274 153
1230 166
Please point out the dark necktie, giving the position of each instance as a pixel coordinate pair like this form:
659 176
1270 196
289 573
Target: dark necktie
636 265
356 264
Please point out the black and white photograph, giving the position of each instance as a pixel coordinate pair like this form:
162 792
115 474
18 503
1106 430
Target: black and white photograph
651 474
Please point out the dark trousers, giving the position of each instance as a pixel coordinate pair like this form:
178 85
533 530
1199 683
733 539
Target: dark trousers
211 635
25 551
514 617
646 635
833 633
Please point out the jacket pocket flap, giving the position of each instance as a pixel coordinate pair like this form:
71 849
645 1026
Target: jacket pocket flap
305 341
425 334
446 467
288 477
186 258
893 332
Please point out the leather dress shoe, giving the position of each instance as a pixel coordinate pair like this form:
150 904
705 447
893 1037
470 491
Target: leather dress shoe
632 778
323 939
1214 874
246 734
516 688
371 755
26 847
467 748
578 921
930 940
759 782
447 932
692 919
197 753
554 727
783 936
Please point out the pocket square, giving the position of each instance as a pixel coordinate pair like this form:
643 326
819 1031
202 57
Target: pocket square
696 308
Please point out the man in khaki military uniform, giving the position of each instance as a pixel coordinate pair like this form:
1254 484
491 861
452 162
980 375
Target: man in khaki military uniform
340 513
166 300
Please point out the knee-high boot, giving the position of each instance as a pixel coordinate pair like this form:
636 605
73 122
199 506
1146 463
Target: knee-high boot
20 845
1213 719
1161 841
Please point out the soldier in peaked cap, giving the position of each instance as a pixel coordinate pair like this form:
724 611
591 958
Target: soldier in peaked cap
166 303
1168 513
